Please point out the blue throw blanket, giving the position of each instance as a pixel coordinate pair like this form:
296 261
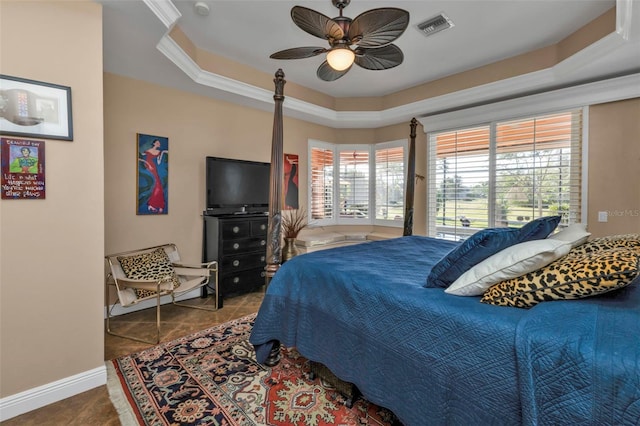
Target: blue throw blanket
434 358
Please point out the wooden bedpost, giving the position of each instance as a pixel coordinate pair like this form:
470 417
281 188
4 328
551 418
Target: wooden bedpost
274 231
411 181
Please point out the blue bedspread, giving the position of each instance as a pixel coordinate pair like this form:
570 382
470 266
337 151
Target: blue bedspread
434 358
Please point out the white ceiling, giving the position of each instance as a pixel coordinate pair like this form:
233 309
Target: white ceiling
249 31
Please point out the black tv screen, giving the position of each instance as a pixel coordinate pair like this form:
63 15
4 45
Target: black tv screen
237 185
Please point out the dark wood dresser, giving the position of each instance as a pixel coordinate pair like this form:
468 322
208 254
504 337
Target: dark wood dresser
239 244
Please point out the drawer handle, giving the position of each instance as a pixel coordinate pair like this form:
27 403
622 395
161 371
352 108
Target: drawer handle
263 242
263 274
262 258
236 262
236 229
236 246
263 227
236 280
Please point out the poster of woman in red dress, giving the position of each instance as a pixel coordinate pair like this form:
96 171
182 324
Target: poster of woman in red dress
291 182
153 174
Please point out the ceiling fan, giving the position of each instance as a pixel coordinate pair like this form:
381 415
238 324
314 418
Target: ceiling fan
365 40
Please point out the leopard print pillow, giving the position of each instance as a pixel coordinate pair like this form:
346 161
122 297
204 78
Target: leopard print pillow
570 277
148 266
631 241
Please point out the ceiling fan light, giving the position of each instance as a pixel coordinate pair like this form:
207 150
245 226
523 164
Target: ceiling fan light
340 58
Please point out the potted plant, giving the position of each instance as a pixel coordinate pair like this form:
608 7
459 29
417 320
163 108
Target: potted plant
293 221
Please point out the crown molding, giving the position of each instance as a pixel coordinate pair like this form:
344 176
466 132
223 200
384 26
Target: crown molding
255 97
165 10
613 89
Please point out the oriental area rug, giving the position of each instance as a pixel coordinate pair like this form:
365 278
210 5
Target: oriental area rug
212 378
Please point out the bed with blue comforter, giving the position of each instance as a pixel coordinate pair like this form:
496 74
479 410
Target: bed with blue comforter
433 358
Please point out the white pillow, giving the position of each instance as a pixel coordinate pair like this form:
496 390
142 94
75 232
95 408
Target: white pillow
512 262
576 234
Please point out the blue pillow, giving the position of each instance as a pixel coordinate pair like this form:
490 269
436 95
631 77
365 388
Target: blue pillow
539 228
472 251
483 244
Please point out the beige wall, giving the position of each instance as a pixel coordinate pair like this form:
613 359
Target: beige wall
614 167
51 250
199 126
196 126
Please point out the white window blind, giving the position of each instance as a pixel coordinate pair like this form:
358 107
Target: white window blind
354 183
357 184
321 172
505 174
390 183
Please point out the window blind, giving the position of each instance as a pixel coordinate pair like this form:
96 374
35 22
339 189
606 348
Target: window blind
505 174
357 184
354 183
390 183
321 183
538 170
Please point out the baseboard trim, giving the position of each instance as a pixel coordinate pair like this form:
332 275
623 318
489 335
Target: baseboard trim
40 396
119 310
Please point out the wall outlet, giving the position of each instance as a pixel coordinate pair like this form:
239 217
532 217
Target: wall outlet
603 217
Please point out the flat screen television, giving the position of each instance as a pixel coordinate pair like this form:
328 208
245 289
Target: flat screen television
236 186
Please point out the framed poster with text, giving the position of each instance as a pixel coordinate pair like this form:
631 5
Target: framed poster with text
22 169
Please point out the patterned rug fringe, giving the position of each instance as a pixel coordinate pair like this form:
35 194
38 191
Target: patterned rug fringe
118 398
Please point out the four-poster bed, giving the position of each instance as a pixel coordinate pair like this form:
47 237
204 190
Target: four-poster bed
365 312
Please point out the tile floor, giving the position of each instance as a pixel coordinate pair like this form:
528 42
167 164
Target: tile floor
94 407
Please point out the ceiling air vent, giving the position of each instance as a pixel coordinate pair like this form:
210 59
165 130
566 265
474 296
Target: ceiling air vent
435 24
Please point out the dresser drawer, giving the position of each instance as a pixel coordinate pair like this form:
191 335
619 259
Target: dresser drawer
235 229
242 281
259 227
240 262
243 245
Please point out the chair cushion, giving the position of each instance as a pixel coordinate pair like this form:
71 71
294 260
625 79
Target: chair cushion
570 277
319 239
152 265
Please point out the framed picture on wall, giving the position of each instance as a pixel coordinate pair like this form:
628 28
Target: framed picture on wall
22 169
32 108
153 175
291 182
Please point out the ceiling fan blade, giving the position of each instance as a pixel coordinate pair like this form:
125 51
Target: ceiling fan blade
298 53
382 58
378 27
326 73
316 23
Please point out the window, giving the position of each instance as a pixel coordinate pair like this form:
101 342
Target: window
357 184
354 182
321 178
505 174
390 178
